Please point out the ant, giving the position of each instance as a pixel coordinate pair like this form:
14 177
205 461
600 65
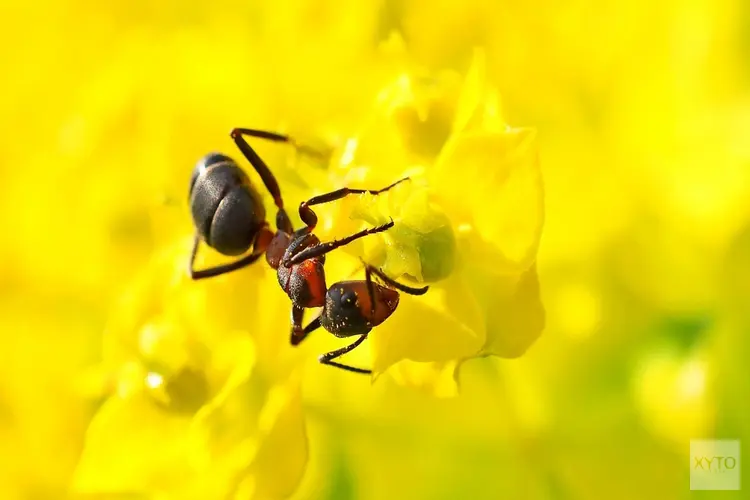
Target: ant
229 216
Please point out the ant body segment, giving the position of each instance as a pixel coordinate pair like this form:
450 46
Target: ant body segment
227 209
229 216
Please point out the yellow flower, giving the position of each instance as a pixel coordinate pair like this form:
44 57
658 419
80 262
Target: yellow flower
642 113
469 223
212 379
190 411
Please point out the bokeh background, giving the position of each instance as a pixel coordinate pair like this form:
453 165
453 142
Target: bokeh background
642 111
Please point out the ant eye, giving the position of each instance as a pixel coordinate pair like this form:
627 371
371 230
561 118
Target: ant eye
349 299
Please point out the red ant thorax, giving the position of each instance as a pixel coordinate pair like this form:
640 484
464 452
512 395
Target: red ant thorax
304 283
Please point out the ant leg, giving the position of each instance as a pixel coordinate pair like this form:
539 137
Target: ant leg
283 223
370 287
257 162
298 333
326 359
390 281
273 136
323 248
269 180
218 270
309 217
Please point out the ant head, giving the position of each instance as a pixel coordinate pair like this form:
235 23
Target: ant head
351 310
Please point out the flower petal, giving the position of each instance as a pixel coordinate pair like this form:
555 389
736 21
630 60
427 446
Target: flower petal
141 300
478 104
513 316
281 460
132 446
491 182
438 379
410 121
221 429
513 310
444 324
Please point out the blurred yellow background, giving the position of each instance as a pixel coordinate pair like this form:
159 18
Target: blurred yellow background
642 111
